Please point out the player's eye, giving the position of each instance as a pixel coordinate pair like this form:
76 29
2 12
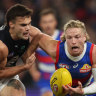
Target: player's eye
69 37
78 36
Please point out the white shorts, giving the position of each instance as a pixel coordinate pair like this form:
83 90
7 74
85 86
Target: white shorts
4 82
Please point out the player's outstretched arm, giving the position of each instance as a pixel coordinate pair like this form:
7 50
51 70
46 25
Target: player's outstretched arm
42 40
35 36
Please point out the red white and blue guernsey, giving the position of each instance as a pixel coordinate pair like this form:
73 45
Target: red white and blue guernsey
80 66
46 65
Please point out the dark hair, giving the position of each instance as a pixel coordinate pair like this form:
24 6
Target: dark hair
16 11
47 11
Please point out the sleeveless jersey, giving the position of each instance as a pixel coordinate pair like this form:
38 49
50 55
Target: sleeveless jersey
80 68
15 47
46 64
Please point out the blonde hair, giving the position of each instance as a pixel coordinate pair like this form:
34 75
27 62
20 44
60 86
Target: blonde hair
74 24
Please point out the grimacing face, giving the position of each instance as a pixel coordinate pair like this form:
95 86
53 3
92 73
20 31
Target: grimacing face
20 27
48 24
75 39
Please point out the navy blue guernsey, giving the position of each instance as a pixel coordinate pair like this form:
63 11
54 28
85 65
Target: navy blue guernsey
15 47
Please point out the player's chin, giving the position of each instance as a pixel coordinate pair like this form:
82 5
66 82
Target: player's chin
25 38
76 53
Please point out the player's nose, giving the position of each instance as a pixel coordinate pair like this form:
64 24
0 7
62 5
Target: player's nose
73 40
27 28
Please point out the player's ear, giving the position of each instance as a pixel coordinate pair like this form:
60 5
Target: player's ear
85 37
11 24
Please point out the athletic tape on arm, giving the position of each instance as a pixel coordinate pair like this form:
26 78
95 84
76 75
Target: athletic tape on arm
91 89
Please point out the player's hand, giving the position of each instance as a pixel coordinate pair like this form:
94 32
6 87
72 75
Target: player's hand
74 91
30 61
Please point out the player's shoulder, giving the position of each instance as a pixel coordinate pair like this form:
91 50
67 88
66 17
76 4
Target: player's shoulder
94 54
94 48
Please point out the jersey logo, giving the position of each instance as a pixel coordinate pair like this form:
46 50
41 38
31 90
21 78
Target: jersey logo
75 66
64 66
85 68
23 47
55 87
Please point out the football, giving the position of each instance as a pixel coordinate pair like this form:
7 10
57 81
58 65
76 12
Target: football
60 77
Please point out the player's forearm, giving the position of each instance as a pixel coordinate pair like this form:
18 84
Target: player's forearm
90 89
32 47
11 71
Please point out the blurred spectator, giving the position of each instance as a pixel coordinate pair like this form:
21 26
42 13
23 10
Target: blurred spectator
91 13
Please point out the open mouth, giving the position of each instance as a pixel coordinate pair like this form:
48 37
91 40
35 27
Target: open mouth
75 48
26 34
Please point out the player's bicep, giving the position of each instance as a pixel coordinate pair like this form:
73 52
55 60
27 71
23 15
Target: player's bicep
48 44
3 56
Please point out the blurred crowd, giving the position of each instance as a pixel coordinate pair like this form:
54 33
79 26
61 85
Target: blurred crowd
84 10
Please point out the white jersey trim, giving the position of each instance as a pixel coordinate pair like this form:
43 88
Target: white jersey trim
46 68
55 35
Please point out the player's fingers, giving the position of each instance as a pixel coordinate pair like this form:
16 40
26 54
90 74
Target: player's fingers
31 59
80 84
71 90
32 56
68 86
68 89
65 88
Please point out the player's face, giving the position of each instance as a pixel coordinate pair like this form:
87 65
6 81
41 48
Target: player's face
48 24
21 27
75 39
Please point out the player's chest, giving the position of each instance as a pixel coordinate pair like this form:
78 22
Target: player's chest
77 69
